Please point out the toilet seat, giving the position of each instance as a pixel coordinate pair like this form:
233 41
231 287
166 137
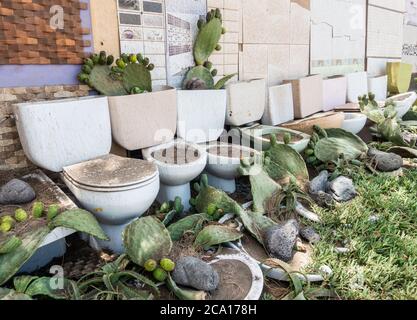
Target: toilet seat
111 173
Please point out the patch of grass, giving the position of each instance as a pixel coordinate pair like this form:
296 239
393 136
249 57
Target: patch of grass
382 261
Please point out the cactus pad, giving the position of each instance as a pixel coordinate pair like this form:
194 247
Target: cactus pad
200 73
207 39
137 75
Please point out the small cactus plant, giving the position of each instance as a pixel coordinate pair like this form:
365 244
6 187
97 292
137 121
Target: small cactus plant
201 77
131 74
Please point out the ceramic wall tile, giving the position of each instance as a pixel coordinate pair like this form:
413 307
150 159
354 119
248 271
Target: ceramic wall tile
379 87
357 85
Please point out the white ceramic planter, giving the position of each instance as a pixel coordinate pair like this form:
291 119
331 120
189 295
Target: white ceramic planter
403 102
354 122
357 85
246 102
201 115
308 95
334 92
144 120
280 107
379 87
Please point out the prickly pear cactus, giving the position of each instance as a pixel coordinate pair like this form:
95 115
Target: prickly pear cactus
135 73
97 74
201 77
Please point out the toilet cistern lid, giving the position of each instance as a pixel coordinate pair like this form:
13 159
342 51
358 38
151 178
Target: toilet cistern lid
111 171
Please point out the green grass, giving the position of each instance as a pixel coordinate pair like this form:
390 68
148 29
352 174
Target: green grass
382 262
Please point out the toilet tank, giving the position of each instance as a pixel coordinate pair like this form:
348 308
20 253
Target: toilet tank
59 133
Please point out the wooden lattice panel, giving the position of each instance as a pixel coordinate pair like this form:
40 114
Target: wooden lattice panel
26 36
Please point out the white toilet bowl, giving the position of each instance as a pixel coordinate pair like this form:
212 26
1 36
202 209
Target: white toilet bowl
223 162
178 163
73 136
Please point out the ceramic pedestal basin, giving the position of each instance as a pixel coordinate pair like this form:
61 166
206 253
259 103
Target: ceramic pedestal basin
260 137
354 122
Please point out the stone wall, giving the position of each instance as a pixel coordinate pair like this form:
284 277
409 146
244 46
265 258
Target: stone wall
11 153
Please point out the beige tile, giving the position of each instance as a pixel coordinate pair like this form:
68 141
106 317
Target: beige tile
232 4
231 15
231 26
300 25
231 37
230 48
299 61
254 61
278 63
215 3
228 69
231 59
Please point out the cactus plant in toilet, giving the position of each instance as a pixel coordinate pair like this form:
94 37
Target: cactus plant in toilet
202 102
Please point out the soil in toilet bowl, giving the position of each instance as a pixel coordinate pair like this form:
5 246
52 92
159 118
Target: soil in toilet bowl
177 155
280 137
230 152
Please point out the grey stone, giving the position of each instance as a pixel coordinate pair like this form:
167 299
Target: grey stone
309 234
342 189
16 192
195 273
319 183
386 162
280 240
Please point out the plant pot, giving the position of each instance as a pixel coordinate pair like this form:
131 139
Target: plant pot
403 102
280 107
144 120
379 87
246 102
201 115
354 122
325 120
334 92
357 85
308 95
399 77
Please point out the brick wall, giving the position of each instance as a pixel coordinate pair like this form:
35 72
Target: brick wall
11 153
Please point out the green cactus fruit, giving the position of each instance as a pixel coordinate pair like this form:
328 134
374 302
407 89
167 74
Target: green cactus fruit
89 62
136 90
167 264
218 47
133 58
160 274
145 62
125 57
200 73
83 78
200 23
209 16
218 14
116 70
37 210
309 152
53 211
211 209
207 39
8 219
164 207
208 65
150 265
86 69
21 215
137 75
139 57
5 227
178 207
224 30
150 67
120 63
287 138
214 72
95 58
110 60
103 58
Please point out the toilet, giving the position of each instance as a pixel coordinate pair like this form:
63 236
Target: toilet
223 163
74 137
179 163
148 123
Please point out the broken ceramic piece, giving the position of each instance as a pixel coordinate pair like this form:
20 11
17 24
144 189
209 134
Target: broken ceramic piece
246 101
16 192
334 92
357 86
307 95
280 107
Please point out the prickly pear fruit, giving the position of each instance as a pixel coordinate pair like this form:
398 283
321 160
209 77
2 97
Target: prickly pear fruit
103 58
20 215
150 67
133 58
208 65
83 77
178 207
125 57
200 23
218 47
136 90
95 58
110 60
287 138
86 69
150 265
37 210
224 30
164 207
211 209
214 72
120 63
145 61
8 219
5 227
160 274
167 264
89 62
53 211
218 14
